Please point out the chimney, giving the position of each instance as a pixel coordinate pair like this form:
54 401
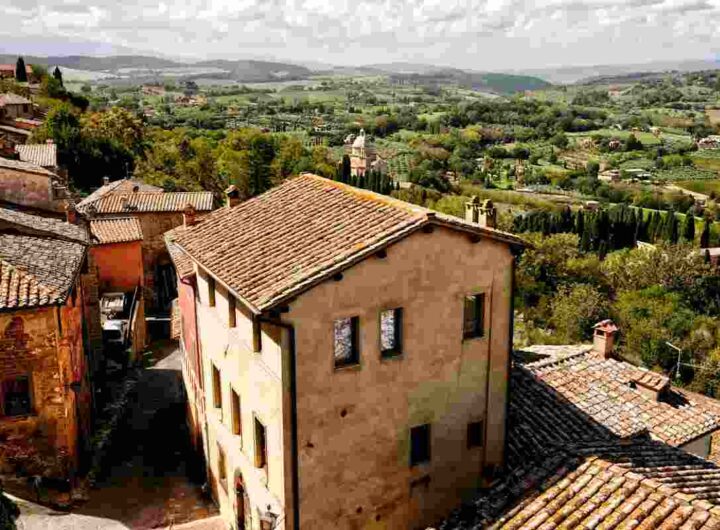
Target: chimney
484 214
106 181
232 196
49 141
71 215
189 217
650 384
604 338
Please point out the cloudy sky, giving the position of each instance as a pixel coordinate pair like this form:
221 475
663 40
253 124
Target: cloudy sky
478 34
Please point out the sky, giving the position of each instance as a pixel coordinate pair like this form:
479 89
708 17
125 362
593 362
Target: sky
474 34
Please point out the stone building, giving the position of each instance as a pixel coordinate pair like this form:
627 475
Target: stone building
157 212
33 187
46 361
363 156
350 354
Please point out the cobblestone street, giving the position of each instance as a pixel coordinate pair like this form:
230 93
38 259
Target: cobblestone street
147 484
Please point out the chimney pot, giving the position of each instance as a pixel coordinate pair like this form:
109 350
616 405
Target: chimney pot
106 181
71 215
604 333
232 196
189 215
484 214
49 141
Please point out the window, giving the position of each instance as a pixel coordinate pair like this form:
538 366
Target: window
420 444
260 444
474 316
222 467
217 388
211 291
391 332
346 341
475 431
232 317
236 418
16 397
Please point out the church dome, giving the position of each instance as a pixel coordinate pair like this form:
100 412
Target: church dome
360 140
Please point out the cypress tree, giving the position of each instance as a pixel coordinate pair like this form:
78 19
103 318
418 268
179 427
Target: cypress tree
688 232
57 74
705 236
670 228
345 171
580 223
20 72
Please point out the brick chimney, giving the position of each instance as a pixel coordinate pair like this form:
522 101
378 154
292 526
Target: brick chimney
49 141
71 215
604 338
232 196
106 181
189 215
484 214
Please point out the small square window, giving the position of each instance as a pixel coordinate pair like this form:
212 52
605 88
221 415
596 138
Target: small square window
391 332
232 317
345 335
420 444
475 434
16 397
474 316
217 388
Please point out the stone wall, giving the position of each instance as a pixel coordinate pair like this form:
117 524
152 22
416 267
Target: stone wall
28 189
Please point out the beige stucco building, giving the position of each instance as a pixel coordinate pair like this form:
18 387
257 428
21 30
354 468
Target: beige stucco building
354 354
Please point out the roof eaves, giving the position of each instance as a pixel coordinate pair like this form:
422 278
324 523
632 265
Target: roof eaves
498 235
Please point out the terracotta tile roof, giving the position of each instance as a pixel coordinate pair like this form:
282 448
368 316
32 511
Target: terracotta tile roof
141 202
610 392
41 226
18 165
44 155
642 484
115 230
281 243
119 186
16 130
37 271
13 99
183 264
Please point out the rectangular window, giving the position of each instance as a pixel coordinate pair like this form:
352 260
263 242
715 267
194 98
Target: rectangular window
475 432
217 388
232 317
211 291
222 467
236 418
391 332
260 444
474 316
16 397
420 444
346 341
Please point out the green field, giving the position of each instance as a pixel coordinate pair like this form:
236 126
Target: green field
701 186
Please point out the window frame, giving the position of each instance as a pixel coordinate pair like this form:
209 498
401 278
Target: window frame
235 413
425 457
3 400
478 329
354 359
397 350
222 467
232 311
217 388
471 442
260 457
211 291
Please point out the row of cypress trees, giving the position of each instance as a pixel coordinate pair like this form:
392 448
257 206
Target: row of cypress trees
614 228
372 180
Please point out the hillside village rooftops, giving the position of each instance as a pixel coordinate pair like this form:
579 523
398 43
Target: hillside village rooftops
17 165
119 186
183 263
115 230
44 155
41 226
281 243
143 202
13 99
618 397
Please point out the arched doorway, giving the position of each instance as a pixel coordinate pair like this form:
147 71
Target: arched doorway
242 505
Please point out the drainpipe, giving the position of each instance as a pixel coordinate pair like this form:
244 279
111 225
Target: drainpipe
293 416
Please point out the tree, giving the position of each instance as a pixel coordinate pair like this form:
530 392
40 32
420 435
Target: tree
20 71
57 74
670 228
346 170
688 230
575 309
705 236
593 168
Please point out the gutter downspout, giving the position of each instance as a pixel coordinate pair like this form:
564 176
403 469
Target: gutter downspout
293 416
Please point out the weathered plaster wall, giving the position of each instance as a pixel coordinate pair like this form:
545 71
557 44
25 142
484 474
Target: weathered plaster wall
257 378
27 189
120 266
354 423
